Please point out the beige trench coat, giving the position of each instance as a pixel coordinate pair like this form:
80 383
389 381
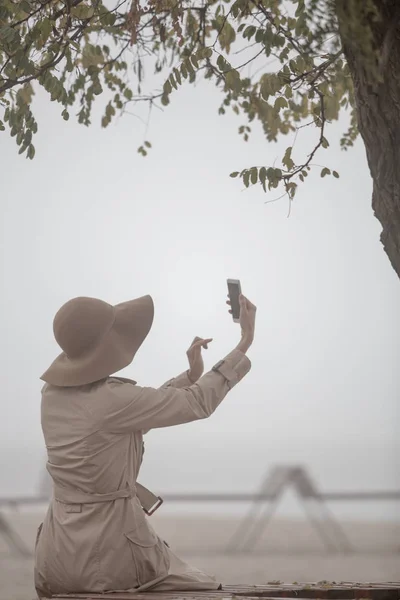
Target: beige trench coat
95 536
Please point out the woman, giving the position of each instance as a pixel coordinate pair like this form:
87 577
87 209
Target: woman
96 537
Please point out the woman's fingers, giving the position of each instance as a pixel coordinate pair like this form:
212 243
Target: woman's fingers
200 342
206 342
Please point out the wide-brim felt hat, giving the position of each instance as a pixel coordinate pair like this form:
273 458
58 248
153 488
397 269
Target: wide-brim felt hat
97 339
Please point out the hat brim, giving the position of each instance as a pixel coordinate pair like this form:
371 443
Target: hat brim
116 350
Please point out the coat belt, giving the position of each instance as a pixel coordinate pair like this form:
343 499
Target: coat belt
74 498
70 496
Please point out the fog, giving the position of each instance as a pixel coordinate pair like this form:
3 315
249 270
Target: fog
90 216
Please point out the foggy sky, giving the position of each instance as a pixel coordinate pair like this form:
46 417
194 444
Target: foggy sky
90 216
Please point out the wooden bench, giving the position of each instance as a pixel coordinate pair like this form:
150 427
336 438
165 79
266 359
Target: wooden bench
322 590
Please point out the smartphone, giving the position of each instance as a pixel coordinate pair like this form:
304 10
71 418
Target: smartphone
234 291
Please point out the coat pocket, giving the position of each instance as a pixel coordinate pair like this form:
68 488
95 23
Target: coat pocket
149 554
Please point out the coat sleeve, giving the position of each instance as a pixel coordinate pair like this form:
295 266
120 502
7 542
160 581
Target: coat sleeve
180 381
133 408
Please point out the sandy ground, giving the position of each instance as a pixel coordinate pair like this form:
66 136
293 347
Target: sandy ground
288 551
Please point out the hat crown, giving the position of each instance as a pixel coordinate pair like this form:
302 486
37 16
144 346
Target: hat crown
80 324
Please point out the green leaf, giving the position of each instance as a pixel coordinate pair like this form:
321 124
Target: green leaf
184 71
280 103
234 174
147 144
165 99
288 91
167 87
249 32
300 8
91 57
45 30
108 18
222 64
274 177
301 24
233 81
325 171
287 159
26 7
227 35
82 11
270 84
324 142
254 175
31 152
265 87
246 178
7 34
291 188
204 53
260 36
2 128
189 67
331 108
177 76
23 148
194 60
279 40
335 174
97 88
65 114
262 175
28 138
301 64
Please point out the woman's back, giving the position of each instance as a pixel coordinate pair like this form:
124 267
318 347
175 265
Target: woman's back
95 524
83 452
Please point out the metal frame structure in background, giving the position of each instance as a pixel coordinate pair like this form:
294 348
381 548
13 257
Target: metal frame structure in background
275 484
254 524
266 501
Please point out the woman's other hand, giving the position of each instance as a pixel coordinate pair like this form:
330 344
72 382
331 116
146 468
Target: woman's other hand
196 364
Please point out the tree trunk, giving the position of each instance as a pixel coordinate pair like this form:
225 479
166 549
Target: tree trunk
378 113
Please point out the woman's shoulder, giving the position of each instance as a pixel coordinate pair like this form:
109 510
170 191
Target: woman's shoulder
93 387
120 380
